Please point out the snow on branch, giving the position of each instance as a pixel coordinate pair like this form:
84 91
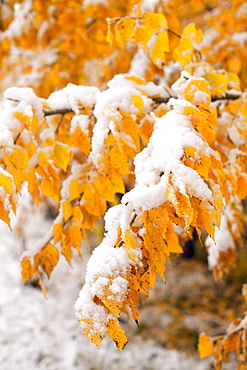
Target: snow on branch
178 181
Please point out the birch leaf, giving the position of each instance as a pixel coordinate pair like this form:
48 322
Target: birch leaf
205 346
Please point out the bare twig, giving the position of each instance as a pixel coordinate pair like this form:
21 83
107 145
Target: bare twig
57 111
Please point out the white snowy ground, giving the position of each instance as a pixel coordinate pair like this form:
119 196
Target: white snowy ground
38 333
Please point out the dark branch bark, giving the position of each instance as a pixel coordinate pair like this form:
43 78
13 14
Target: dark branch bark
57 111
228 96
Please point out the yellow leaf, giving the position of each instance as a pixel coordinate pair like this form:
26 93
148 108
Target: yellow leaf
241 186
124 31
57 232
6 183
66 247
218 83
146 130
16 164
198 86
50 182
197 161
130 127
205 218
243 109
30 123
117 334
50 188
109 34
61 156
142 36
75 237
20 159
135 79
154 20
26 269
80 140
131 244
47 258
75 189
67 210
4 214
49 142
184 52
119 162
160 47
172 240
182 206
155 243
233 80
138 101
205 346
108 187
132 300
90 331
232 343
33 185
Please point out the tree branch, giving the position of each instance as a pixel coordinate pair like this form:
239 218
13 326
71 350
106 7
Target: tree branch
57 111
228 96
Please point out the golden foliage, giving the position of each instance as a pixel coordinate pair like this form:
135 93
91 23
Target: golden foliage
78 145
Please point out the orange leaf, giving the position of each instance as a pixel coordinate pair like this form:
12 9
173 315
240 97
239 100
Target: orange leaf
80 140
47 258
26 269
205 346
117 334
61 156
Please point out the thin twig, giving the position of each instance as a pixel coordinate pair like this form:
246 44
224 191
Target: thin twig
171 31
228 96
57 111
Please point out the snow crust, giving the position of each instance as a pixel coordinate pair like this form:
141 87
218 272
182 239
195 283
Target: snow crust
28 96
149 5
74 97
105 263
149 88
107 111
81 121
19 100
139 63
95 2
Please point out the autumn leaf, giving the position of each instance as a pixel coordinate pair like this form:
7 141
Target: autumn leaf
61 156
117 334
80 140
205 346
184 52
218 83
47 258
26 269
